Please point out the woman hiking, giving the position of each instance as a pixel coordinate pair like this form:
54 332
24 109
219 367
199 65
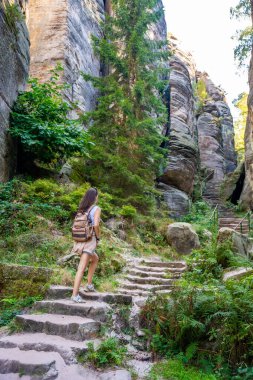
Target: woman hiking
87 249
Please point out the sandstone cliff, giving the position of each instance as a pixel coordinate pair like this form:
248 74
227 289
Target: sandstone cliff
14 63
201 134
64 34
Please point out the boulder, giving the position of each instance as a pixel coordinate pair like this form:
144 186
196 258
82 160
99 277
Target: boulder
182 237
242 244
178 201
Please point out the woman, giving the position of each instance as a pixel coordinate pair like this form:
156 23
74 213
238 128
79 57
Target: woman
87 249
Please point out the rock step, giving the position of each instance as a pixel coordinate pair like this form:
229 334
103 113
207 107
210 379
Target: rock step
161 274
149 280
70 327
143 268
90 309
161 264
61 292
48 343
142 293
145 288
32 363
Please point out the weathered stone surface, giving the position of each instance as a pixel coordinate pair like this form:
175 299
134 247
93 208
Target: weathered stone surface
64 34
237 273
215 137
182 147
178 202
14 63
70 327
247 193
242 244
182 237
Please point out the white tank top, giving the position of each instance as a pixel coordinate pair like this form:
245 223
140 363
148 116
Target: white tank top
92 214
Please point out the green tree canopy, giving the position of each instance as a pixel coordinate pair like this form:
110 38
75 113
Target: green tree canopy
127 155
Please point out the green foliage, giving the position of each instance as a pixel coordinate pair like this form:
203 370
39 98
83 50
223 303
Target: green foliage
201 94
207 322
40 122
200 213
128 211
175 370
10 307
127 155
35 219
13 15
109 353
245 36
240 124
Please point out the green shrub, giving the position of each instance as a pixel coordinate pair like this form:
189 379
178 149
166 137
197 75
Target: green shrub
41 124
109 353
128 211
13 15
176 370
10 307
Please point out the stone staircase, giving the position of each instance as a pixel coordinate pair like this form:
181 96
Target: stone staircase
57 329
226 216
145 277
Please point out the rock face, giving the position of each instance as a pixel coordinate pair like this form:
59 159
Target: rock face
199 137
247 193
242 244
182 147
182 237
14 63
215 137
64 34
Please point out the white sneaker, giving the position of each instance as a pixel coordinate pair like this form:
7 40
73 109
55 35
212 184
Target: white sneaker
89 288
77 299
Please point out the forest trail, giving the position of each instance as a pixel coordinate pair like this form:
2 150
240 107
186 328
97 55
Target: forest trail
57 329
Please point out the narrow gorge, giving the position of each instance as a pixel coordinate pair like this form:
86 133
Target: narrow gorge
98 95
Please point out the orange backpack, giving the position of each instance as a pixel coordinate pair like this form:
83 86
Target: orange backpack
82 229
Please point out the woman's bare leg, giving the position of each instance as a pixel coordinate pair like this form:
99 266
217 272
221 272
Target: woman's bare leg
92 268
80 271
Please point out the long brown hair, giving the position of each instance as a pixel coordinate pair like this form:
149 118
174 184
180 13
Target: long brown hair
88 199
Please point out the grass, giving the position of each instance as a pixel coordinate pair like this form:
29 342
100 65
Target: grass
109 353
174 369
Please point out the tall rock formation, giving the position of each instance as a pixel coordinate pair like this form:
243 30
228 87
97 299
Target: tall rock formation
179 175
200 132
215 137
14 63
61 32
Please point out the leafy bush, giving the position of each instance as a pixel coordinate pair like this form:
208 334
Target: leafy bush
176 370
128 211
10 307
41 124
207 321
110 353
12 15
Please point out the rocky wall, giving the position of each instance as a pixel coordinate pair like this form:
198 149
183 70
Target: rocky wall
63 34
14 63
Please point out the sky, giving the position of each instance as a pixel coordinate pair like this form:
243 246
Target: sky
205 29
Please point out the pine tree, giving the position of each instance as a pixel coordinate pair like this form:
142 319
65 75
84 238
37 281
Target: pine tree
127 154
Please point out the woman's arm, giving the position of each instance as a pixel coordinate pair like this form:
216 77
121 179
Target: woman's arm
97 222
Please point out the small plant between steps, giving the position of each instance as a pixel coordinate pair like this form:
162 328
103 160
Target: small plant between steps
109 353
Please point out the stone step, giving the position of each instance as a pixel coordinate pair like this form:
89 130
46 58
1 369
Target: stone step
160 274
149 280
143 268
161 264
134 292
90 309
145 288
70 327
68 349
61 292
32 363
